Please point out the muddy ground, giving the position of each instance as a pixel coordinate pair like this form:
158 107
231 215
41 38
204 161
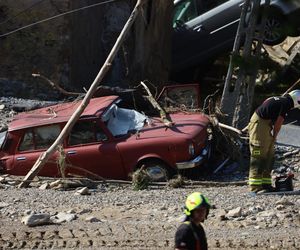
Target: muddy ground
114 216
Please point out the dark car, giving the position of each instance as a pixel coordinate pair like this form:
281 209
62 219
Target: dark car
203 29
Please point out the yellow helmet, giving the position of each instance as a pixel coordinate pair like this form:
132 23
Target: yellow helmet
195 200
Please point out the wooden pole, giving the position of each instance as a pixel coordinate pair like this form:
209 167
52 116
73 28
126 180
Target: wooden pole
76 115
291 88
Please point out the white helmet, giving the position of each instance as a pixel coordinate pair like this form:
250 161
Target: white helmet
295 94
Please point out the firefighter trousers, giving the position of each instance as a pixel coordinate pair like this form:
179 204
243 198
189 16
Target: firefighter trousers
261 143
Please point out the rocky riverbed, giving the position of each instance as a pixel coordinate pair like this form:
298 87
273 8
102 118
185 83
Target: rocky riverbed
56 214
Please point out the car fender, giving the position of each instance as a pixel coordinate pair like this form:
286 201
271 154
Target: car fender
286 7
153 156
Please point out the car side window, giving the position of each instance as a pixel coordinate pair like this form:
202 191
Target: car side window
45 136
86 132
39 138
27 141
185 11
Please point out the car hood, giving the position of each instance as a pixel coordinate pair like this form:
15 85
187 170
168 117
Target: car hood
186 125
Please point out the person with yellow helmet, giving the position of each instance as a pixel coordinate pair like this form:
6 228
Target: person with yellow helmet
191 235
263 129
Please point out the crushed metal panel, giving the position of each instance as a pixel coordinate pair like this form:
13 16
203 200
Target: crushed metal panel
60 113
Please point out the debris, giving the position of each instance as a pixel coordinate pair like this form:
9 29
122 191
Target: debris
163 115
176 182
140 179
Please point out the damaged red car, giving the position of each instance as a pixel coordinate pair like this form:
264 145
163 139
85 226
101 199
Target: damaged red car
107 141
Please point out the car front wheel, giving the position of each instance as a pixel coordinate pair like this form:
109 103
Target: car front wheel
157 170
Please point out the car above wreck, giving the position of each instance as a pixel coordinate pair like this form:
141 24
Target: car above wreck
107 141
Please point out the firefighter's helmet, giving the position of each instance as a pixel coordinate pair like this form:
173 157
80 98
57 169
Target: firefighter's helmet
295 94
194 201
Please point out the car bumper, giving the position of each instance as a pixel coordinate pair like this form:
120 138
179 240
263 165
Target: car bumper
194 162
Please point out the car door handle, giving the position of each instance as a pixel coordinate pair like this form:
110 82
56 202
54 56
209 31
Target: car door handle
72 152
198 28
21 158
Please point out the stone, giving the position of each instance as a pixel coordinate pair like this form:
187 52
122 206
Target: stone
44 186
92 219
2 179
2 106
83 191
266 214
85 210
237 212
36 220
3 204
28 212
221 214
55 183
280 207
284 201
63 217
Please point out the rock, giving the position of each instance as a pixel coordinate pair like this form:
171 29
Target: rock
55 183
44 186
2 179
2 106
28 212
63 217
237 212
280 207
266 214
221 214
36 220
3 204
85 210
255 210
83 191
92 219
284 201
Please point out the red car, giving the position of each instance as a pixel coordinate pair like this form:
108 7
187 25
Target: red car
107 140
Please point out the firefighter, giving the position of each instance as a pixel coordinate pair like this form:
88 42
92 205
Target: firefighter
190 235
263 129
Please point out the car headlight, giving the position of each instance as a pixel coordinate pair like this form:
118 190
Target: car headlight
191 149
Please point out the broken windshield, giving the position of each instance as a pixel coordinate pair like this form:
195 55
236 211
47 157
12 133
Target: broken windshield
2 137
120 121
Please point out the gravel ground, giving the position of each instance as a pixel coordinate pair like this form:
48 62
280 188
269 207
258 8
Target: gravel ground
114 216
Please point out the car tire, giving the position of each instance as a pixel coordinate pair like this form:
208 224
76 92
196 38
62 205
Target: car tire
275 29
157 170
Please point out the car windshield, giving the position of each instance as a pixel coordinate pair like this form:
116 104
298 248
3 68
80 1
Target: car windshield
184 11
2 137
120 121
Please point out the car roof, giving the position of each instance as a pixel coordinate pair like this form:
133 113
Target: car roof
60 113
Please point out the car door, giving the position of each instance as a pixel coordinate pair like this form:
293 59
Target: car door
90 151
33 143
207 34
